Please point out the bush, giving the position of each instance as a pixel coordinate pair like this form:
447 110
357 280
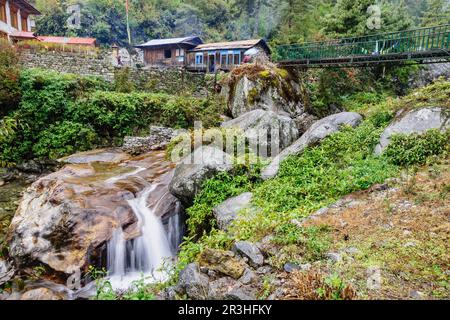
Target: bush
9 78
64 138
414 149
54 105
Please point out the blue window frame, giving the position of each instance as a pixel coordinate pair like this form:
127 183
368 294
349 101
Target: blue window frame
199 58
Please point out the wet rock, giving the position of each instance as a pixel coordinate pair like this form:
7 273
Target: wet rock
265 128
30 166
65 219
196 168
223 262
41 294
100 155
227 211
316 133
193 282
415 121
250 251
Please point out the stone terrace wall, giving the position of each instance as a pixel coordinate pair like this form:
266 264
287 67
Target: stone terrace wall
166 79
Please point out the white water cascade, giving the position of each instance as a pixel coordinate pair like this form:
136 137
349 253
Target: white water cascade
149 254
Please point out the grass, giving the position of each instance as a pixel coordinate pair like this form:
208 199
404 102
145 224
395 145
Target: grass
342 164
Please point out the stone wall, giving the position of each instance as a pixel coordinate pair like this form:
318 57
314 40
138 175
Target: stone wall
162 79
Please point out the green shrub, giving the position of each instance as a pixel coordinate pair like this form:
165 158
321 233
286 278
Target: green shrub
50 99
9 78
414 149
64 138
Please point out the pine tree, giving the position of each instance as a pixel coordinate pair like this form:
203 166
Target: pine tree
437 13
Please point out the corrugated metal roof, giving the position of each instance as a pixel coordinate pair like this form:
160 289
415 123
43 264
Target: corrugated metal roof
66 40
244 44
23 35
169 41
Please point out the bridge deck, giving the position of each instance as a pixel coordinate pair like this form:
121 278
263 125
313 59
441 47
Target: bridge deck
423 45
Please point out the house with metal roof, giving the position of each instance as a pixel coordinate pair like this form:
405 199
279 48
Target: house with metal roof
16 19
211 57
170 52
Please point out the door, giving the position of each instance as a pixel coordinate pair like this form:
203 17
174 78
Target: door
211 63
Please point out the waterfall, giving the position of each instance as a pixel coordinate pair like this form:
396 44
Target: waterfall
147 255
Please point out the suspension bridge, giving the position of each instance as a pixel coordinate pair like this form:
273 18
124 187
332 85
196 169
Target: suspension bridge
424 45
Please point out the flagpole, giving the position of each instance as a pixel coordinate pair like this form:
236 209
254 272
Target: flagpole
128 23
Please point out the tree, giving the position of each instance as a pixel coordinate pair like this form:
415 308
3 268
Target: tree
349 18
437 13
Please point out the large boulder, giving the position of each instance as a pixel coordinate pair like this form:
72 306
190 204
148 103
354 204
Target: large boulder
194 283
226 212
65 220
262 127
256 86
316 133
428 73
251 251
41 294
6 271
415 121
196 168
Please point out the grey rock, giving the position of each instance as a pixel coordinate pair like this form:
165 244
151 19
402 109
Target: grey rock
417 295
218 289
265 129
250 251
158 139
277 294
227 211
316 133
264 270
268 98
6 272
193 282
248 277
352 251
333 256
196 168
291 267
241 293
429 73
415 121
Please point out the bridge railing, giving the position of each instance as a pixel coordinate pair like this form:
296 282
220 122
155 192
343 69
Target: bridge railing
410 41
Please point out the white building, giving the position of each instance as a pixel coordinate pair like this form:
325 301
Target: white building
16 20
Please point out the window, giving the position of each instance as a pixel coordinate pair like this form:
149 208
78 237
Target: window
24 24
14 20
167 54
237 59
179 53
223 59
199 58
2 11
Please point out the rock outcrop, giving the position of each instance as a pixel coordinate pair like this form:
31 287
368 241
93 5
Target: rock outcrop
415 121
227 211
266 128
316 133
196 168
266 87
194 283
65 219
